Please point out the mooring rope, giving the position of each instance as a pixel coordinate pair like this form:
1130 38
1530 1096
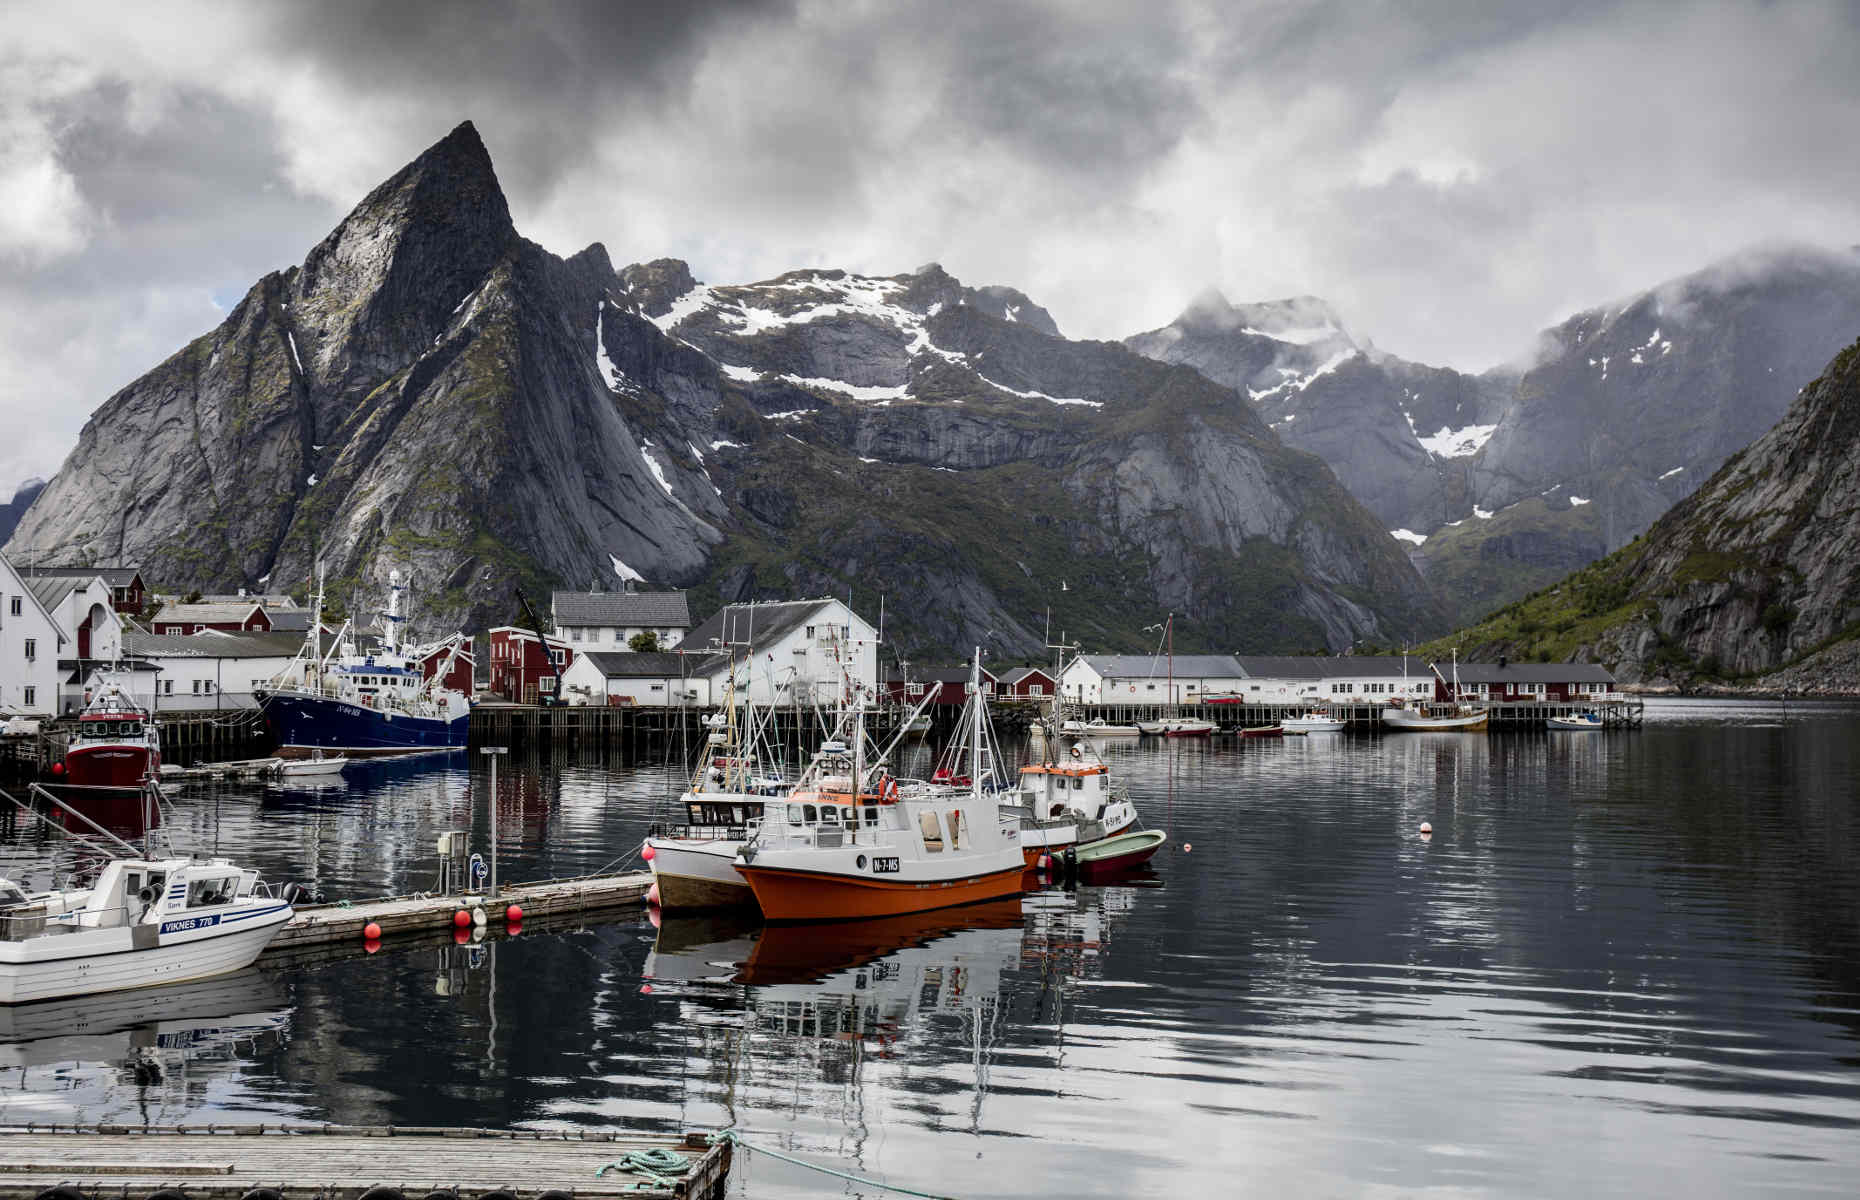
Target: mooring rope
734 1138
662 1167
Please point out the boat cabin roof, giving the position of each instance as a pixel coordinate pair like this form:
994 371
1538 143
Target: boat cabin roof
1069 772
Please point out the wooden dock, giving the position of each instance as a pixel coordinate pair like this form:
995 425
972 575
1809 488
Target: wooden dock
568 898
1617 712
338 1162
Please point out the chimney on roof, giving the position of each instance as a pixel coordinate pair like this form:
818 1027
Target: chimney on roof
1501 662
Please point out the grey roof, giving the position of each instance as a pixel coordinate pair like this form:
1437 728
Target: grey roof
52 589
268 599
621 664
114 576
757 623
205 614
1020 673
1529 672
1146 666
1321 666
940 675
211 645
289 620
662 610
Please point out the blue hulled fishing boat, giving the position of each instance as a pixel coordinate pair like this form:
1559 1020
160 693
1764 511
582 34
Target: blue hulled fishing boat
366 702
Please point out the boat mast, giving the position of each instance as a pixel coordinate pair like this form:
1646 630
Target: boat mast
394 618
975 727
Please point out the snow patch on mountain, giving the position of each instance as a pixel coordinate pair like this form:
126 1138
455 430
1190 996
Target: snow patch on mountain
1408 535
1456 443
856 391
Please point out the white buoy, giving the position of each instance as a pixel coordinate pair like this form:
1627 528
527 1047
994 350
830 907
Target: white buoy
1427 827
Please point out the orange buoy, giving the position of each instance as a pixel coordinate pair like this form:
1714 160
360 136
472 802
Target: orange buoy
371 944
514 914
649 854
652 895
461 918
371 932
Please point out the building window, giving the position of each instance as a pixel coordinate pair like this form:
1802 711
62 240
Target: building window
810 631
1036 689
32 696
32 649
915 689
167 687
14 606
574 633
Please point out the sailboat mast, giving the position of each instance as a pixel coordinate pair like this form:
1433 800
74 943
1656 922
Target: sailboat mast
975 726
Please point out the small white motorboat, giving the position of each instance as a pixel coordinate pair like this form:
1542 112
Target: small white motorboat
144 922
1096 727
1177 727
316 764
1582 720
1314 721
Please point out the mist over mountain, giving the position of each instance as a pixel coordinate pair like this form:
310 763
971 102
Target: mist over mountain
430 392
1504 481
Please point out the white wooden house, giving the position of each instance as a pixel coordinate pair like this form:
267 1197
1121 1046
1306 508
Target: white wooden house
1150 678
610 620
211 671
31 641
649 680
792 652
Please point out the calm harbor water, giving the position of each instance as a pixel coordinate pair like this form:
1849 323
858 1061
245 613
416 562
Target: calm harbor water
1624 962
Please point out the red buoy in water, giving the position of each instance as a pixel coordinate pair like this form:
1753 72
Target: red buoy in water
653 915
514 914
649 854
1187 846
371 932
461 936
645 989
462 919
514 928
58 768
371 944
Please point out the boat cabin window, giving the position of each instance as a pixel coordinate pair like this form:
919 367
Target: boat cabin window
1078 782
794 814
871 815
955 829
932 831
202 892
829 815
10 894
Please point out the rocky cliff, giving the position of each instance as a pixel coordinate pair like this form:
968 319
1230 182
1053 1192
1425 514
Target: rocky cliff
430 392
1755 573
14 509
1621 411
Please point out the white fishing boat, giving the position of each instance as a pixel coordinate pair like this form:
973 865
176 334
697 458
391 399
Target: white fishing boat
1097 727
1583 720
1315 721
842 848
693 856
1450 716
317 764
1177 727
144 922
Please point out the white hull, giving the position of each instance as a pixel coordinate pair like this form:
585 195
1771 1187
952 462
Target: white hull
1571 723
1401 718
314 766
89 962
1311 725
698 874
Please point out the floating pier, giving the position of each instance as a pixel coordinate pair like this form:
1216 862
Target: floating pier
346 921
344 1162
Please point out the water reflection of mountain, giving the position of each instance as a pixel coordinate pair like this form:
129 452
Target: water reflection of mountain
151 1056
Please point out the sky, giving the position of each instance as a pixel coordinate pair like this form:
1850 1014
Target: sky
1451 177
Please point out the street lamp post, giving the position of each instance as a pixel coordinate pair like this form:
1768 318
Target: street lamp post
492 752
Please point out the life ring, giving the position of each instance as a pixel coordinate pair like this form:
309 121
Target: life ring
1077 753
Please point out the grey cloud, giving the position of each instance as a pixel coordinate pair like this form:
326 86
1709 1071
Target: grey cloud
1451 176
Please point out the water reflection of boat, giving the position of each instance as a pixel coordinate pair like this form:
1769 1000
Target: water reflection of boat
119 1027
787 954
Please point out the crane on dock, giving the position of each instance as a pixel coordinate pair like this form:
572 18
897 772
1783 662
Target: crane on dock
555 697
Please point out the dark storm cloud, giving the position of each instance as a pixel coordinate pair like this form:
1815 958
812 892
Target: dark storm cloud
1452 176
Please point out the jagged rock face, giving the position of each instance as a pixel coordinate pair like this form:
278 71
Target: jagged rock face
431 393
1757 570
1625 410
421 394
14 509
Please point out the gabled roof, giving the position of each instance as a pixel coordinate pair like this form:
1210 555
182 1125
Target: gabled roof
940 675
57 632
1156 666
266 599
289 620
761 624
208 614
1489 673
623 664
1340 666
51 590
659 609
113 576
1019 673
212 644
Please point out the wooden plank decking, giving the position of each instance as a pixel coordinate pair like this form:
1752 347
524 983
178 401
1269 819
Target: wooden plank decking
317 923
342 1162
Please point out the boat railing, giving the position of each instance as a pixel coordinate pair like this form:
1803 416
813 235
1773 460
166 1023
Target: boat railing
37 920
697 833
